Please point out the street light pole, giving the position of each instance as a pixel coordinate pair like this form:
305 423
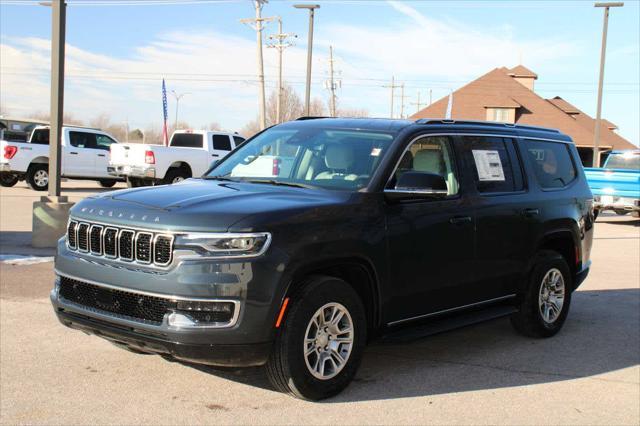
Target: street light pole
58 23
178 96
307 96
596 138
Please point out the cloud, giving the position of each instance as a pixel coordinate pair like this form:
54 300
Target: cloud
218 69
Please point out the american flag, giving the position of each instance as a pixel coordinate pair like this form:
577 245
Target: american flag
165 135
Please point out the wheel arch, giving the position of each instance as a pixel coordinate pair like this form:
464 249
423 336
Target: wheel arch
563 242
39 160
356 271
181 165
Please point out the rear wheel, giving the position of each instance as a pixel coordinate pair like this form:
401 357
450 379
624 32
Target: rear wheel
8 180
546 299
107 183
133 182
175 176
38 177
319 345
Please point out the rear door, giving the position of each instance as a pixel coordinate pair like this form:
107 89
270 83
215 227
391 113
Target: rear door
505 214
221 145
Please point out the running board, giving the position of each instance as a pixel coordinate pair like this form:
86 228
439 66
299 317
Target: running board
436 326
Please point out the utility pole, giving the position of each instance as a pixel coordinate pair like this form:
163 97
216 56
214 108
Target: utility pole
307 95
58 28
280 43
332 84
178 96
430 96
393 86
256 24
402 100
418 104
596 138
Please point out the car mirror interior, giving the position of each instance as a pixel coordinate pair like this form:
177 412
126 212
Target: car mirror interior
412 184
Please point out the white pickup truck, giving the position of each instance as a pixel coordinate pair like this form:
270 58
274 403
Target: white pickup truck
190 153
85 155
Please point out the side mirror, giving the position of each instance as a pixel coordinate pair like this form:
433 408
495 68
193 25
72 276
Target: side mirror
418 185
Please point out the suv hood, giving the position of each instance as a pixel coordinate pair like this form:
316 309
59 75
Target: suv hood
200 205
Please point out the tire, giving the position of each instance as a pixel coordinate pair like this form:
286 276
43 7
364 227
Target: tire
289 370
8 180
621 212
133 182
530 320
38 177
175 176
107 183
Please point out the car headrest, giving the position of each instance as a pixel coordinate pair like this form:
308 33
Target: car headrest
338 157
429 160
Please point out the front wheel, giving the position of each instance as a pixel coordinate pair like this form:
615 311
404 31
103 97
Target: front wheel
38 177
319 346
8 180
546 299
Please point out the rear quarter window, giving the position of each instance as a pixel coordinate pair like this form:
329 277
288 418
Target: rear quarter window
552 163
221 142
40 137
187 140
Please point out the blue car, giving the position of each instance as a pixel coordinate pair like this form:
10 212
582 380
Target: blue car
616 186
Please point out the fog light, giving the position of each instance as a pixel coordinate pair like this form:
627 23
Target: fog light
193 313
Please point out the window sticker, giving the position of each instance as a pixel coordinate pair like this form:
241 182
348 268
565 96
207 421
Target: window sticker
375 152
488 165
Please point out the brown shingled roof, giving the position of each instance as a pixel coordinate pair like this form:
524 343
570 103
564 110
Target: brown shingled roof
469 103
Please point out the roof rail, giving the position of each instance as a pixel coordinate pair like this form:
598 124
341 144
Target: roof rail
483 123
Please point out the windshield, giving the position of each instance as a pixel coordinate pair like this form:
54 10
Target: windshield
326 158
624 160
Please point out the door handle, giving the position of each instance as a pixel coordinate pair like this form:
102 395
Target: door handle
73 153
215 155
101 155
460 220
530 212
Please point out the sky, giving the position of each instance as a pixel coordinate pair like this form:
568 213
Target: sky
117 54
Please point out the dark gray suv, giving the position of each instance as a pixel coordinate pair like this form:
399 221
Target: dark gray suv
318 235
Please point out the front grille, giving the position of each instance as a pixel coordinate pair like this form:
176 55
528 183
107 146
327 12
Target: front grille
72 239
110 242
83 237
126 244
135 306
121 244
95 239
143 247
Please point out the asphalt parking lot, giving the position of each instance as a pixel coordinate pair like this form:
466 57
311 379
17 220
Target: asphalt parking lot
484 374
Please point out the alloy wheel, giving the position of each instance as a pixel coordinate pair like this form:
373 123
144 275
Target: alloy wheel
551 295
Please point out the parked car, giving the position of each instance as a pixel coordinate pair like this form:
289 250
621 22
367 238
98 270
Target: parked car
380 229
616 186
85 155
190 153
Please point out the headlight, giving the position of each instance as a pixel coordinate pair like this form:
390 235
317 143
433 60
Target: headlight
225 245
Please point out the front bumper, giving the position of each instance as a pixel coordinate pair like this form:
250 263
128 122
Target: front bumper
144 172
239 355
612 202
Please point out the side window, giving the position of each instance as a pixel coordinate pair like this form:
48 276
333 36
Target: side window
82 139
238 140
104 142
221 142
430 154
495 164
40 136
551 163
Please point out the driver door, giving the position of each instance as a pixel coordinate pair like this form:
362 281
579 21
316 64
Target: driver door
430 240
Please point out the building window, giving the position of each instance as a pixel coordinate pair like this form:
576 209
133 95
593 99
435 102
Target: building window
500 114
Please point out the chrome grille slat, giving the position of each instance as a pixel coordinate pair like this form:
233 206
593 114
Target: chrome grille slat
83 237
95 239
129 245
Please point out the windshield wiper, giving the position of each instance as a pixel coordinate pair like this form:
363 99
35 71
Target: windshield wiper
220 177
279 183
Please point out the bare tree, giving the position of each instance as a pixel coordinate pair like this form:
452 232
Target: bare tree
214 126
352 112
67 119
